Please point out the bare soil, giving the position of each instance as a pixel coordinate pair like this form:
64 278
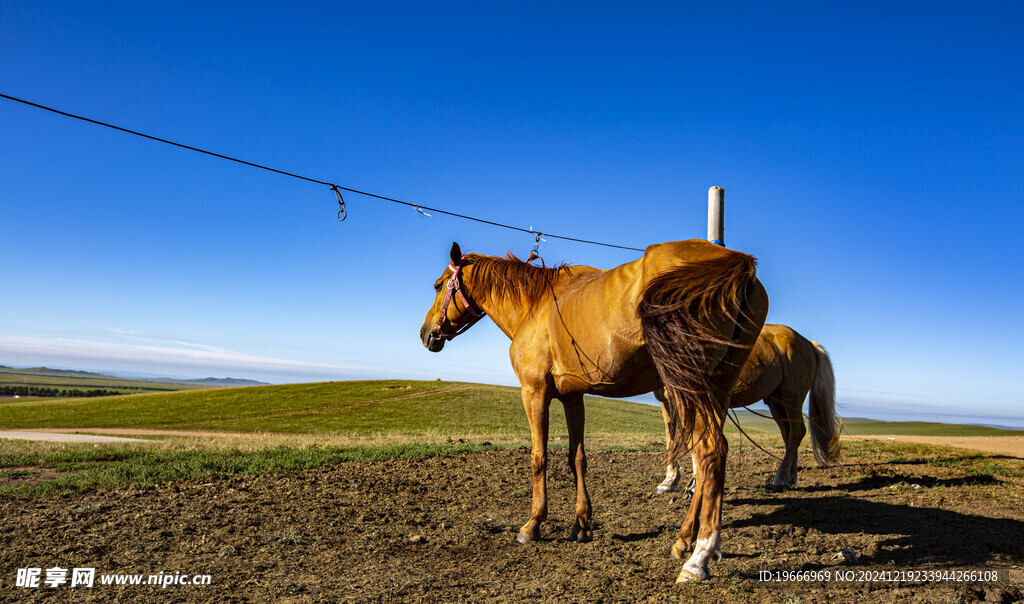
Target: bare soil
442 530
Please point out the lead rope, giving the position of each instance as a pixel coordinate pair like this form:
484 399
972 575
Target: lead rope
735 420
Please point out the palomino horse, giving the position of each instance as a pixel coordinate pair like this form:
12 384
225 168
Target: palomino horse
782 368
684 317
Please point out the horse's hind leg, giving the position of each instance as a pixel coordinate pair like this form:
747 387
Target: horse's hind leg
781 482
702 526
788 416
582 529
672 474
703 521
797 430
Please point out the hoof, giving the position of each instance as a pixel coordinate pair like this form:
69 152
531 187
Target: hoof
580 535
678 549
667 486
686 576
522 538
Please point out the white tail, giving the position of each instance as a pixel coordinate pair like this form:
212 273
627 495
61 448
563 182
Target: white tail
824 424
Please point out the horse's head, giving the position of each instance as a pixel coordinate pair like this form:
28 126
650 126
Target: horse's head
452 312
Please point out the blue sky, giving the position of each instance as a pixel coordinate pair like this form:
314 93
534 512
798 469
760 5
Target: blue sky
871 155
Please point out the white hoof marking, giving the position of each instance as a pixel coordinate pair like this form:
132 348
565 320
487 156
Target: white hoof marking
703 550
671 482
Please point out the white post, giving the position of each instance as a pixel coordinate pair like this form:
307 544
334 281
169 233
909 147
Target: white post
716 215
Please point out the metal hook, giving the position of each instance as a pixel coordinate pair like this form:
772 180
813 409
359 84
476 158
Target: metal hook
342 213
535 253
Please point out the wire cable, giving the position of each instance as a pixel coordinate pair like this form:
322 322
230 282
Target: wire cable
418 207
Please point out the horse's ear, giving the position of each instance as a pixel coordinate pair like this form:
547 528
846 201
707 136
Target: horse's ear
456 254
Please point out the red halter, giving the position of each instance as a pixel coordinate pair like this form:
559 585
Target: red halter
455 285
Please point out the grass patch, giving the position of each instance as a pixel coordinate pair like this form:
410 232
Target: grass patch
981 465
897 452
946 457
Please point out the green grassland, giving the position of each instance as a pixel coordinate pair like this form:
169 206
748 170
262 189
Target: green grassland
366 408
282 428
414 409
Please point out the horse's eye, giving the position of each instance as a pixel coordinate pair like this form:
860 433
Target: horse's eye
437 286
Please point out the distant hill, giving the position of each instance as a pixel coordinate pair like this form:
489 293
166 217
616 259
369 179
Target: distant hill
222 382
47 382
56 372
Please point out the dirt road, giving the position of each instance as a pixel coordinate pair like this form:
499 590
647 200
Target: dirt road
63 437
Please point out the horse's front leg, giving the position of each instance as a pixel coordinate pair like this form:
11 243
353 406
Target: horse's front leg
702 526
583 528
536 402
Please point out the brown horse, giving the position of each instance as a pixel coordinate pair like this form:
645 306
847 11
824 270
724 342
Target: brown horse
684 317
782 368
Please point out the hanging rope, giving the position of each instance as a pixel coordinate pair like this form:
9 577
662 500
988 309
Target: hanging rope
342 213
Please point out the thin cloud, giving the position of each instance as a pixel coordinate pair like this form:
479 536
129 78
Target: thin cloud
162 356
142 336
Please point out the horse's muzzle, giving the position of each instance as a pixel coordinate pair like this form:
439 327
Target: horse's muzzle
433 340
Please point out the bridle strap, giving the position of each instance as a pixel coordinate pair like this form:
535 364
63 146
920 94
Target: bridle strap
455 287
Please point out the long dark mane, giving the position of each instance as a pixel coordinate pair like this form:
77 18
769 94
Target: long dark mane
513 279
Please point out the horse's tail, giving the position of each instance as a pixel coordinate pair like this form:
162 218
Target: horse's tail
824 424
681 313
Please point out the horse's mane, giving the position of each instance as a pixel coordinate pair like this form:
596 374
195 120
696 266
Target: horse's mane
513 279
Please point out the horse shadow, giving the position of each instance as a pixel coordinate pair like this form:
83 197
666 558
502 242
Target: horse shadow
907 534
951 460
634 537
880 481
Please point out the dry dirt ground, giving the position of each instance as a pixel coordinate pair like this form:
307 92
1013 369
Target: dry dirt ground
442 530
